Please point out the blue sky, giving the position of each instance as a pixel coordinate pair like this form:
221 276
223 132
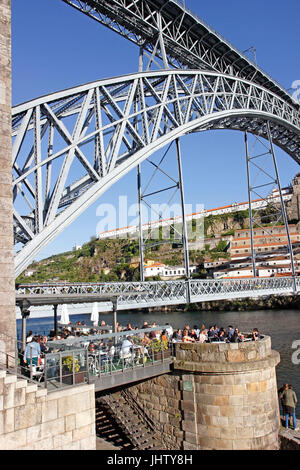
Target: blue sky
55 47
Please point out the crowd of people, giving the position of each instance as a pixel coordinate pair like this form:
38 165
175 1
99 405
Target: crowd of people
213 334
137 345
38 345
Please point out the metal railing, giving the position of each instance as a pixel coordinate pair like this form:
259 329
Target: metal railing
71 362
156 293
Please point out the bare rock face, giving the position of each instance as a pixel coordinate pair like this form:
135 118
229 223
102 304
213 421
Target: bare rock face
293 206
217 227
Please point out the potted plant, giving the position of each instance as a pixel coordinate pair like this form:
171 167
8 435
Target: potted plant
160 349
71 368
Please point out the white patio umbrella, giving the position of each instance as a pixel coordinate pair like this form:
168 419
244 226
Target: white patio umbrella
95 314
64 318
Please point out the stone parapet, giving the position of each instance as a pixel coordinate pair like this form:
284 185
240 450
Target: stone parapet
246 351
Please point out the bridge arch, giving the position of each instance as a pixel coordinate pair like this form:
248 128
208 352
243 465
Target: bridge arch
126 119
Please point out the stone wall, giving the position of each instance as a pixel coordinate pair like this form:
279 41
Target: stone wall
7 274
160 398
233 393
219 396
33 419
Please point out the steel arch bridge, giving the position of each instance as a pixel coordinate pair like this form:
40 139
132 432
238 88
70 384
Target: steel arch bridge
102 130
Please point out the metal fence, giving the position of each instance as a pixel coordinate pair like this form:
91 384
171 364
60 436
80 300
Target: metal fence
131 295
71 362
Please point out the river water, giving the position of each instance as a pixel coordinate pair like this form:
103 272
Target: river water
282 325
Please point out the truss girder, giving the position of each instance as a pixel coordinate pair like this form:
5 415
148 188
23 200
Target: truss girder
131 295
71 146
187 40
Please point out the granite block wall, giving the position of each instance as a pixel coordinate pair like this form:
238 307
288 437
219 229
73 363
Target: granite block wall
33 419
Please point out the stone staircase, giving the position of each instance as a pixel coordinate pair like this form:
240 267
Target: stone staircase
109 430
121 412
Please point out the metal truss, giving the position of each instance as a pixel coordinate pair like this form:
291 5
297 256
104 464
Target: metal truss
153 237
167 30
263 179
131 295
71 146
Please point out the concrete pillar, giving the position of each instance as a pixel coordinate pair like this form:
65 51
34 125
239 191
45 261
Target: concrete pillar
229 395
7 275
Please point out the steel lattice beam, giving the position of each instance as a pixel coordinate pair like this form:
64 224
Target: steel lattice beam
188 41
71 146
146 294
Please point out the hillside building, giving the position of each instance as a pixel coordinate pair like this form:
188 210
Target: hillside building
166 272
268 240
272 259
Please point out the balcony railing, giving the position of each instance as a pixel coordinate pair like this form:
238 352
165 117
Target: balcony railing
87 358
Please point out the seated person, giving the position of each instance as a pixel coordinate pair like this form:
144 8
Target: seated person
236 337
211 334
169 330
44 347
146 341
164 337
91 348
202 338
193 334
222 336
255 334
230 331
152 334
177 336
186 338
126 347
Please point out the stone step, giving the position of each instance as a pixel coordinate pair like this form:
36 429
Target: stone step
105 428
127 418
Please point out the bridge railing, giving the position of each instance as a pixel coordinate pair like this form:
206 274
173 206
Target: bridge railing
251 285
168 292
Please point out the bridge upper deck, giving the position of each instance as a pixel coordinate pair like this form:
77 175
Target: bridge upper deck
136 295
188 40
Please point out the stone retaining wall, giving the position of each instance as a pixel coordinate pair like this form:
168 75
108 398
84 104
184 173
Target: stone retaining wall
160 398
220 396
33 419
